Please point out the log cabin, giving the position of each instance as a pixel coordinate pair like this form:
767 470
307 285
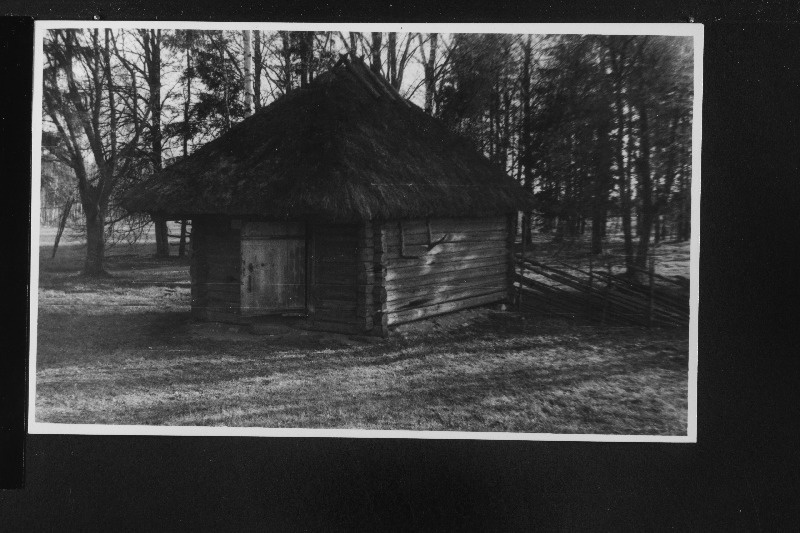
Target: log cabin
343 203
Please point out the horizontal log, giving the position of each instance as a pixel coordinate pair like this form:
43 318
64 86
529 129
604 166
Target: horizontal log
358 287
442 296
337 327
336 259
224 289
217 253
336 292
218 246
269 229
339 268
224 273
337 306
322 249
227 274
393 273
335 256
401 294
449 247
343 238
349 242
348 280
355 307
464 257
422 238
335 269
449 225
336 228
399 317
225 293
361 275
339 317
233 261
445 278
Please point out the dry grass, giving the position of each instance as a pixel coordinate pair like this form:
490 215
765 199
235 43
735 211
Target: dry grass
125 351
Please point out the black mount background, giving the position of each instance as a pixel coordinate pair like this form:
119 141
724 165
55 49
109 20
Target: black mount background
738 476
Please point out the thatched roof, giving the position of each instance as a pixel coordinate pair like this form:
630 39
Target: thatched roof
347 147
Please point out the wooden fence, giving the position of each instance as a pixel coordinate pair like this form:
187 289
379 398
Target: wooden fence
600 295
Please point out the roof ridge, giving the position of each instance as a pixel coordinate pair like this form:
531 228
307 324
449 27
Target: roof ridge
394 94
375 83
349 67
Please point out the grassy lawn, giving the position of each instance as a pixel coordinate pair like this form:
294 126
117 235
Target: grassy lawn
124 350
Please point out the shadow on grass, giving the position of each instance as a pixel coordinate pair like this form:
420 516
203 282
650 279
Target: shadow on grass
526 396
163 368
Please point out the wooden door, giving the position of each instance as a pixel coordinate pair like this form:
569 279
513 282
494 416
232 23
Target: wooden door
273 268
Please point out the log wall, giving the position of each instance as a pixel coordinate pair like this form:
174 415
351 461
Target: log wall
341 285
363 278
215 269
444 266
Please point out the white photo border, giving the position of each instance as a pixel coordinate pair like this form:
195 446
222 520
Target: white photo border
678 29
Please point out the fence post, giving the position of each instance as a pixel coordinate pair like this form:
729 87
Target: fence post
521 267
605 294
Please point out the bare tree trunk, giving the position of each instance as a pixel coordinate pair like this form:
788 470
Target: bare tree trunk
258 64
506 141
377 40
95 241
492 113
624 181
248 72
152 44
187 130
225 87
186 134
353 44
286 56
602 180
304 60
182 244
670 171
392 59
526 150
310 40
645 189
430 71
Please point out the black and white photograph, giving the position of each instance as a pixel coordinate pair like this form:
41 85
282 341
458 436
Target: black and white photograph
366 230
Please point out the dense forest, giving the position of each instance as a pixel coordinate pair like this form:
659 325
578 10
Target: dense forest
597 127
